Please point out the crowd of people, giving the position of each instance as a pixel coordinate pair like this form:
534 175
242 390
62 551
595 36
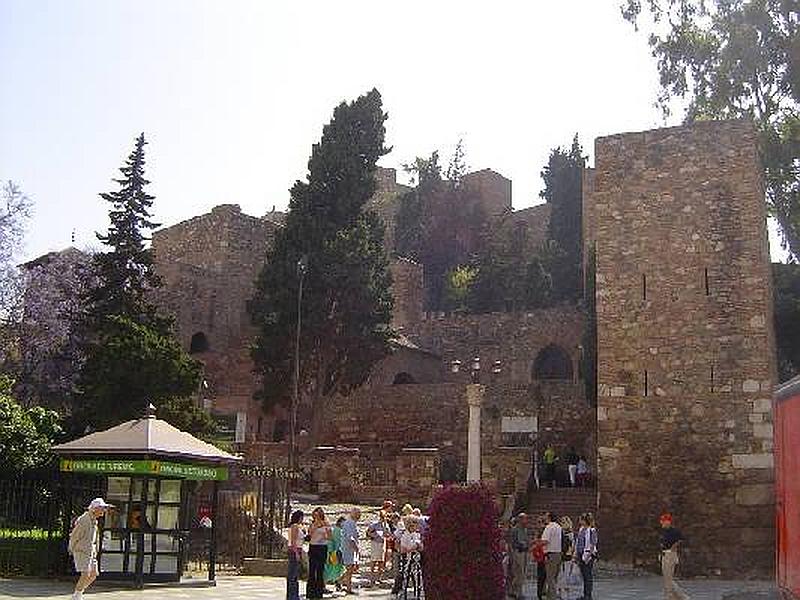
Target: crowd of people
553 557
555 553
395 542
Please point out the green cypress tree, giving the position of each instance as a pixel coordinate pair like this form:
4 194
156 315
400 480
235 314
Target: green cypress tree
563 179
347 303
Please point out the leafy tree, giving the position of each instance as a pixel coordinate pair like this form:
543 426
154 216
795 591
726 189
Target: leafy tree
510 271
440 223
459 282
737 59
347 303
52 341
786 280
126 273
563 176
130 365
26 434
14 213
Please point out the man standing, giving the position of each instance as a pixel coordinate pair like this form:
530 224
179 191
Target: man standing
551 537
350 548
83 545
572 465
519 540
670 539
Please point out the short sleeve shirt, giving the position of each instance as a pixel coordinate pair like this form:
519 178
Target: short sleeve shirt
552 535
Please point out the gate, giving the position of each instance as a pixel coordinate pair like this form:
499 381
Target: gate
36 511
250 516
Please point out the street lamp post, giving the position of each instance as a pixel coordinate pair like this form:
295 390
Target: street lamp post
475 395
302 267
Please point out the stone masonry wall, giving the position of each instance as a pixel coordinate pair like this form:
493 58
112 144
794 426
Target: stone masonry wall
685 347
209 265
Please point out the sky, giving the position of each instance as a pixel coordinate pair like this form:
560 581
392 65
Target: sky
231 95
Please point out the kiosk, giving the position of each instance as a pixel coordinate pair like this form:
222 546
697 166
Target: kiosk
150 470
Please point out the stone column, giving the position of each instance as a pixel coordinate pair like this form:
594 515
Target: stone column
475 393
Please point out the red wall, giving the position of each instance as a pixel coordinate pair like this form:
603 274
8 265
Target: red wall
787 489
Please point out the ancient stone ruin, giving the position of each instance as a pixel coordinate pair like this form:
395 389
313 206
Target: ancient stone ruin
675 222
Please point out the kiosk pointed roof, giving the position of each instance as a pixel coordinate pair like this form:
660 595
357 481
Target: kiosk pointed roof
146 436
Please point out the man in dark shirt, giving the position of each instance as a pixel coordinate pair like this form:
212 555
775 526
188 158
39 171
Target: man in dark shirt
670 540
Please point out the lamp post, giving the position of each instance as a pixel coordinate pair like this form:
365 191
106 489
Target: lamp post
475 395
302 267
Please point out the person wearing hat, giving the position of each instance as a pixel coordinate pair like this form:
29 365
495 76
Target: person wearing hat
670 539
83 545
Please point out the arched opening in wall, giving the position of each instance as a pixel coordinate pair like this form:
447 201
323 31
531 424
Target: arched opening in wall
552 363
403 379
199 343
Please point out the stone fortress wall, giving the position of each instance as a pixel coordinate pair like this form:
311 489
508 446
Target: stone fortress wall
686 364
686 353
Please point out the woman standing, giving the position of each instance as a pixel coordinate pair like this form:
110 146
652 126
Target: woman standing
334 568
295 551
319 533
586 552
377 532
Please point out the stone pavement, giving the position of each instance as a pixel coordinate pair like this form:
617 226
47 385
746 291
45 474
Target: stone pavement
271 588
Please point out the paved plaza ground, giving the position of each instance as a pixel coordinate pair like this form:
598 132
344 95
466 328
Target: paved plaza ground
271 588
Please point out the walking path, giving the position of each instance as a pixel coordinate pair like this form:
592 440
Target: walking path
272 588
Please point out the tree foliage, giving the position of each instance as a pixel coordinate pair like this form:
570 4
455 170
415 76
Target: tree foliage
511 272
52 340
15 209
347 303
737 59
440 223
131 355
26 434
126 273
786 282
130 365
563 191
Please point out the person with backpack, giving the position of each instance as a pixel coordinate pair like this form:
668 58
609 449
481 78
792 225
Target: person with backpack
586 552
83 542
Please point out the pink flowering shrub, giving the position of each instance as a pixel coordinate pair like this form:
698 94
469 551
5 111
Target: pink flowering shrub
462 546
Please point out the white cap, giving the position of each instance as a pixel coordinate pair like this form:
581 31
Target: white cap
99 503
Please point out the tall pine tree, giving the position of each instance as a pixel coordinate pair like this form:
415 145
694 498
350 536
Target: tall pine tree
347 302
132 356
125 274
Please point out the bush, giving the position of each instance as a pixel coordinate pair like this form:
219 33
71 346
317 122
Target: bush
462 546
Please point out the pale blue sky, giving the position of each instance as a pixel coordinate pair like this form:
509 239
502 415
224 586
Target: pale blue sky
232 94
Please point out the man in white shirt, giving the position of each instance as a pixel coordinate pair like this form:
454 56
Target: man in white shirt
551 537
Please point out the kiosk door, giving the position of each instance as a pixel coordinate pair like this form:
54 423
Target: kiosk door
141 539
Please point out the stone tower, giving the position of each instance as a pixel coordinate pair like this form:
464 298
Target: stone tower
685 345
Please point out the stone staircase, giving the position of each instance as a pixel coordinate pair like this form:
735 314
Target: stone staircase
563 501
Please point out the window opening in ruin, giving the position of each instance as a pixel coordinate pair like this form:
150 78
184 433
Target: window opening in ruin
552 363
403 379
708 289
644 286
199 343
712 378
646 382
